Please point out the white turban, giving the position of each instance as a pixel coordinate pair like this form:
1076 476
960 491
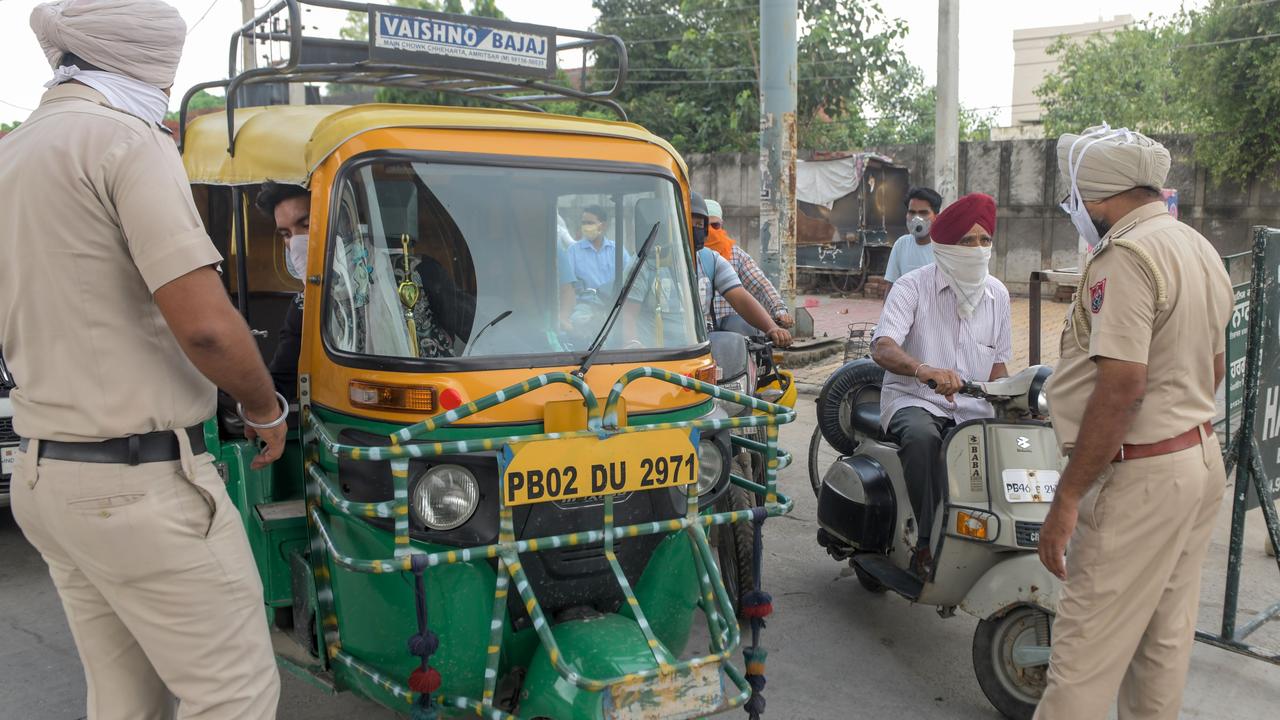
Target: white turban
140 39
1110 161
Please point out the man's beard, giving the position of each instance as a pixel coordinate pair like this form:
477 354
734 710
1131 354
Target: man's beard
1102 226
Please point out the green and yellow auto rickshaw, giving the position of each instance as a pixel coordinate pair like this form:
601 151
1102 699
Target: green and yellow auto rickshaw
498 496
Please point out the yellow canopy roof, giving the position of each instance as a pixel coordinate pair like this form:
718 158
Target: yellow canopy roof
286 142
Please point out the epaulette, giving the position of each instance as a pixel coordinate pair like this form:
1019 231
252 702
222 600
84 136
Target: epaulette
1079 315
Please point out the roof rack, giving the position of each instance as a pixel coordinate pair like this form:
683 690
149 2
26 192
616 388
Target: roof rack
500 62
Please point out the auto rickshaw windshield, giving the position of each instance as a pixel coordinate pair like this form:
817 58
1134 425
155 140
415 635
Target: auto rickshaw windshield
441 260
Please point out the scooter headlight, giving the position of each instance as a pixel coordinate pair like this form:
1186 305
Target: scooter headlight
711 465
738 385
445 497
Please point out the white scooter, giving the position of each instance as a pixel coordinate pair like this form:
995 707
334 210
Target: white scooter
1001 476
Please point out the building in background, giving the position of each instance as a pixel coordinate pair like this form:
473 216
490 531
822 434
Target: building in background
1031 62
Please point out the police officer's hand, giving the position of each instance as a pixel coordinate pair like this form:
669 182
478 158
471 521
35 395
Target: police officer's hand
779 337
1054 534
945 382
785 320
271 440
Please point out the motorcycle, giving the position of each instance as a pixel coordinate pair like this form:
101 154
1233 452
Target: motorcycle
1001 476
745 365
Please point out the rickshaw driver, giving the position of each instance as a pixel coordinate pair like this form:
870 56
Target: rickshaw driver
442 308
947 322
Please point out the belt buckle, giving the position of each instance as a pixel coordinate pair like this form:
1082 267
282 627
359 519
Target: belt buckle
1122 458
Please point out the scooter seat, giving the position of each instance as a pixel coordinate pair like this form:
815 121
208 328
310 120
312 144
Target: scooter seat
866 420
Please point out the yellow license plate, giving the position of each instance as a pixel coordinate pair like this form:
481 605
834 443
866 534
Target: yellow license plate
547 470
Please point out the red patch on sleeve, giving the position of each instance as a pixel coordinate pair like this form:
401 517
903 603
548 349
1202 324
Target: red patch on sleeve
1097 292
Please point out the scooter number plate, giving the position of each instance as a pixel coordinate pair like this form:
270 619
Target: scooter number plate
573 468
694 693
8 456
1024 486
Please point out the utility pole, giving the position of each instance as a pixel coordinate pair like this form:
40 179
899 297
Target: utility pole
946 142
248 47
778 144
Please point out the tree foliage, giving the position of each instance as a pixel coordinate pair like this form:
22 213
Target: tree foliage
1213 73
201 102
694 65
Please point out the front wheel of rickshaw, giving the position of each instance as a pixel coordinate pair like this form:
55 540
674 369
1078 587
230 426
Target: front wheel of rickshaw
1012 688
735 543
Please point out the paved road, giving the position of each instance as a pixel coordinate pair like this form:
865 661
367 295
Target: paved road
835 651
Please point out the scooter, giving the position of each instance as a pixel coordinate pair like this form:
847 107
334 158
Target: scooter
745 365
1001 476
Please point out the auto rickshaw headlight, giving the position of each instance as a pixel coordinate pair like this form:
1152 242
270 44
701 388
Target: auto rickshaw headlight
445 497
711 465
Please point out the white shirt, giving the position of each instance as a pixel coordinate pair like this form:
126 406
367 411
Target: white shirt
920 315
907 255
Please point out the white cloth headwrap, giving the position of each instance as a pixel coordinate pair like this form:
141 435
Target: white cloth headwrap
123 93
966 269
1102 162
140 39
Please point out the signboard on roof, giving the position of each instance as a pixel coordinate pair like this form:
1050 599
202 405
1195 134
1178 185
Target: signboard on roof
428 39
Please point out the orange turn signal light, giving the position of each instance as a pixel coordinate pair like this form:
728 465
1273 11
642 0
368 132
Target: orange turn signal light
405 398
708 374
972 525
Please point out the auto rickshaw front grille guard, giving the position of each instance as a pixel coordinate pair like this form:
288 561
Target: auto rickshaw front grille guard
323 495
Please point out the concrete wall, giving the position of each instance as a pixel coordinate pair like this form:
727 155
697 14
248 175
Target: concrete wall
1032 231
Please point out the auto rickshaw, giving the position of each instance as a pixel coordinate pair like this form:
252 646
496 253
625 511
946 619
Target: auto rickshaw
489 505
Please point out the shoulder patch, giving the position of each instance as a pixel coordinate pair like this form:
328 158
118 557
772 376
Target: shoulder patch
1097 292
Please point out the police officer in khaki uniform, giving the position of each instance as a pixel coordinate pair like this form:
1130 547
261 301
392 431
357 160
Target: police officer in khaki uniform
116 327
1132 401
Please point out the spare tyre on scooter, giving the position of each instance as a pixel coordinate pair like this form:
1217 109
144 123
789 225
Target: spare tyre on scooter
848 408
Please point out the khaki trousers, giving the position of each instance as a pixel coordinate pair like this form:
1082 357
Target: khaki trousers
158 583
1126 619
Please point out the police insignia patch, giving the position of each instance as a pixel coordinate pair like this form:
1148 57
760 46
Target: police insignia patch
1096 293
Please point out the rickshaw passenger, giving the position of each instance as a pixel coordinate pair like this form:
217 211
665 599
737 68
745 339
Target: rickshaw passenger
442 308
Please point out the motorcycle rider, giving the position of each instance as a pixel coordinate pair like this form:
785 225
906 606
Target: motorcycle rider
941 323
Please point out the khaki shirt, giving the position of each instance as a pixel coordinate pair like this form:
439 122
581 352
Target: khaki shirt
1177 341
95 215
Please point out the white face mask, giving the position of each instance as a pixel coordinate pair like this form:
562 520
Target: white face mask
1074 204
919 227
967 269
123 93
295 256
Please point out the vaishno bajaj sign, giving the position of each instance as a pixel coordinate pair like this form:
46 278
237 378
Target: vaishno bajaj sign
426 39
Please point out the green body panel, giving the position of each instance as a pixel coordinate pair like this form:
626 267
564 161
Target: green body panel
668 589
376 613
604 646
271 542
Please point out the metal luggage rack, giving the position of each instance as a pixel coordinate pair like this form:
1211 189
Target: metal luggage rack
282 22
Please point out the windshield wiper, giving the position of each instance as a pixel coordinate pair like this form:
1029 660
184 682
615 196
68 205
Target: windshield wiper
615 311
501 316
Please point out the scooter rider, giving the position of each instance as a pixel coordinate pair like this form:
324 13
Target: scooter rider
942 323
717 277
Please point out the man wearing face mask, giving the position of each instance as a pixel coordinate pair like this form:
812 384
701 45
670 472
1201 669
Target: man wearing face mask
290 207
914 250
118 331
947 322
1132 402
752 277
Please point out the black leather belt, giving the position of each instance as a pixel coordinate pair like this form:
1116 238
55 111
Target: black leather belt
158 446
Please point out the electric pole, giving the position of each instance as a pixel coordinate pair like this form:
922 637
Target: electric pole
946 143
778 144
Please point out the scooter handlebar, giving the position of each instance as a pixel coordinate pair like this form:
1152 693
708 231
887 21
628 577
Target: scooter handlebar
969 388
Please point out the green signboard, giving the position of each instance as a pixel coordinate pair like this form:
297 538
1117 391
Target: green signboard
1237 342
1266 416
